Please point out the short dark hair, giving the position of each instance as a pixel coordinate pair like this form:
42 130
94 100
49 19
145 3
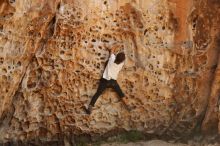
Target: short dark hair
120 57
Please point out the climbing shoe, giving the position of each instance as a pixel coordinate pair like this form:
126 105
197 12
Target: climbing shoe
88 110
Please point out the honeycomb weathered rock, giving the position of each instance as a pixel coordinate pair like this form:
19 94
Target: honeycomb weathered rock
52 54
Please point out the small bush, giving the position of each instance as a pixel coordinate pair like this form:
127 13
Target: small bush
131 136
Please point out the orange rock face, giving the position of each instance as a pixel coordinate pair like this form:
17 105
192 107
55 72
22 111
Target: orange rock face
52 55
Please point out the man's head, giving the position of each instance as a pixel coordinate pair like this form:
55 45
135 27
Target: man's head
120 57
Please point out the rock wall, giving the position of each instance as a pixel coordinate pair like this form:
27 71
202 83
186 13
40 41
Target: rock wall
52 55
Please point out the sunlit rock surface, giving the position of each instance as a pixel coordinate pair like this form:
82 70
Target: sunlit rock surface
52 55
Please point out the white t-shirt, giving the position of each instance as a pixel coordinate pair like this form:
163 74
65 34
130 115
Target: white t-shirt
112 69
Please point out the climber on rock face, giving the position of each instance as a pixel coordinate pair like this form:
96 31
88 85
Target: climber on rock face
109 77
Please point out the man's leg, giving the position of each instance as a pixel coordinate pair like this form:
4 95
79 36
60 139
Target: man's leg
116 87
102 86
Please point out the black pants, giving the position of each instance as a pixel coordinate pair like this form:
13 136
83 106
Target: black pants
106 84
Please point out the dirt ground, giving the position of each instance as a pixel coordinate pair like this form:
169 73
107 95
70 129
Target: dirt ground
158 143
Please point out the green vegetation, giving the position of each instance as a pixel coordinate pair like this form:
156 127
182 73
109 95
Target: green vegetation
125 137
82 141
131 136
